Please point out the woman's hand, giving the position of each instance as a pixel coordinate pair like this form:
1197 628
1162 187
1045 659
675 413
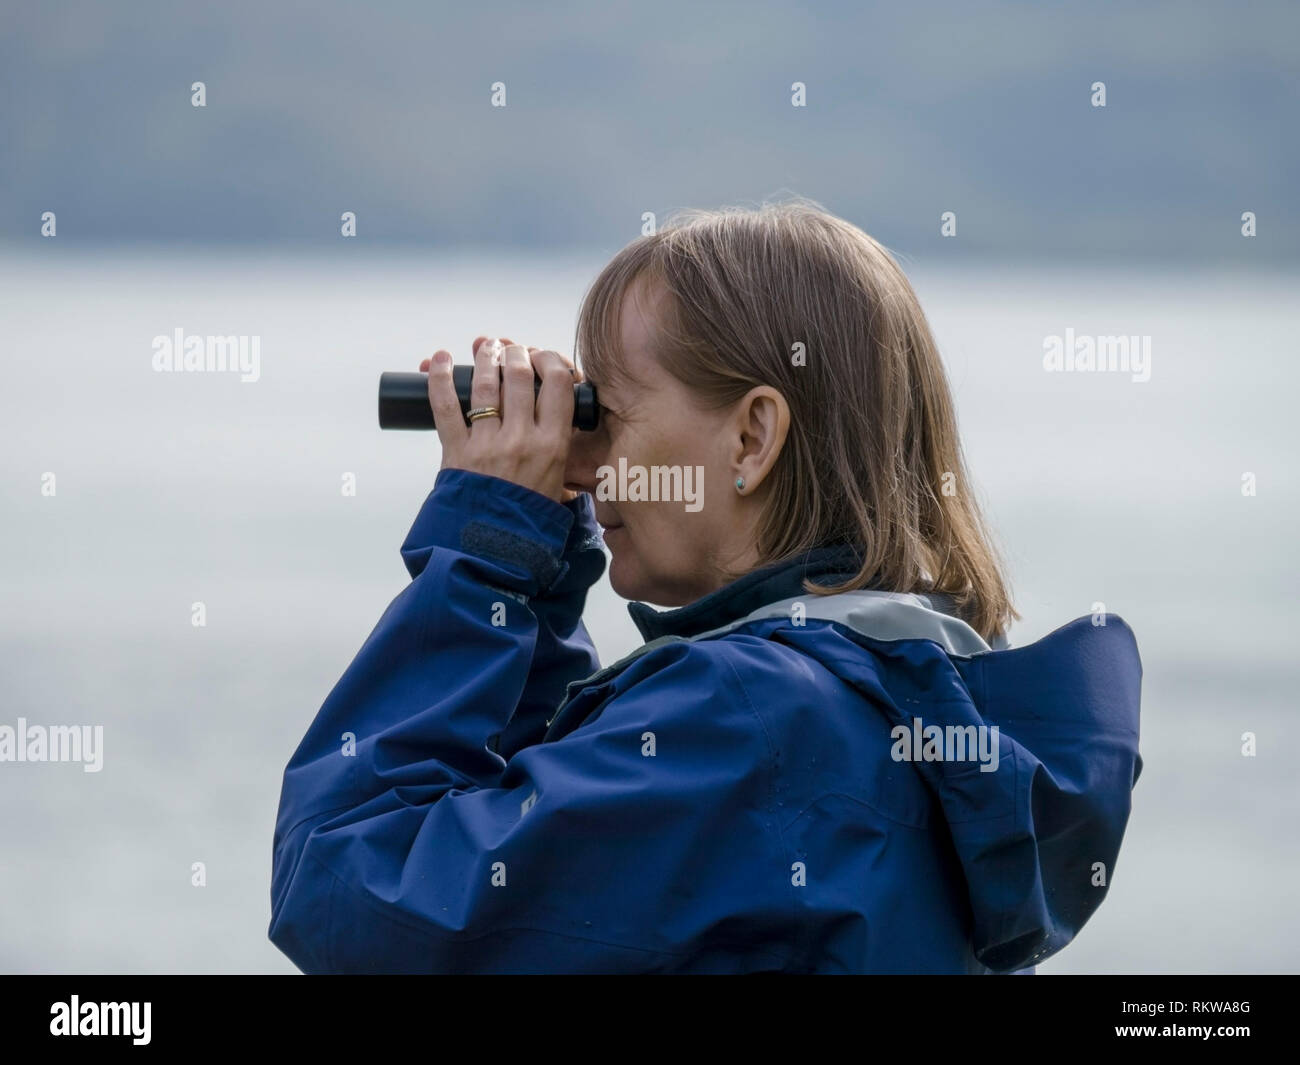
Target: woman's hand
529 443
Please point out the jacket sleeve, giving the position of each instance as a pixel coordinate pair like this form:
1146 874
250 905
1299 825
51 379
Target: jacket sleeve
641 841
562 649
500 576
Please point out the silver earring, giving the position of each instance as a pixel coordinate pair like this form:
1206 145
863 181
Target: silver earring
740 484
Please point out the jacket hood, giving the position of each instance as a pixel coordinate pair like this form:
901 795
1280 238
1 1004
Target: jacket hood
1037 819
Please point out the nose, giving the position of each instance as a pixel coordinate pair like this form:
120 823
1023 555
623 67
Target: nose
586 452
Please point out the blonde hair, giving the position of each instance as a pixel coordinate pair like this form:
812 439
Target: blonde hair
872 457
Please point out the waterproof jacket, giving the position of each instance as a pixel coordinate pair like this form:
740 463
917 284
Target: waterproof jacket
777 781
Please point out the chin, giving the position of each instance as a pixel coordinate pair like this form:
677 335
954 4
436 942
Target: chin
630 583
626 584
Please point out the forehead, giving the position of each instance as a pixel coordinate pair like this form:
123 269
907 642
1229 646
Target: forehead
638 317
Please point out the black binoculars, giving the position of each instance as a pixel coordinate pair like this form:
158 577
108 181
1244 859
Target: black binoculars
404 399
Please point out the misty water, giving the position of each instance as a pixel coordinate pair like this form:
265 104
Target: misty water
173 489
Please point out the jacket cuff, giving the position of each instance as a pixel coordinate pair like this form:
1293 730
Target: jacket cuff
522 532
584 550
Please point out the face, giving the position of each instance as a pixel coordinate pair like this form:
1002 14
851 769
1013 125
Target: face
668 551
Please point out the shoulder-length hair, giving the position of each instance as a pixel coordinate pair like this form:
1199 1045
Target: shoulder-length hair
788 295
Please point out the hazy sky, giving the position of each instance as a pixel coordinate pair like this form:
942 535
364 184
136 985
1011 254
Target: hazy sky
385 109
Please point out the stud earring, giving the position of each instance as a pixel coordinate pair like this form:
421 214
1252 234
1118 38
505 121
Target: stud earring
740 484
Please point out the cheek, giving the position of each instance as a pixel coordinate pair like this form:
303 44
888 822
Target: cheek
689 446
673 441
591 449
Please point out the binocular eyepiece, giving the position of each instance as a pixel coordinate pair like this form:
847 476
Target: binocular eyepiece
404 399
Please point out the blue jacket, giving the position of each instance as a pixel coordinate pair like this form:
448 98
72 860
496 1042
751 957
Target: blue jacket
761 787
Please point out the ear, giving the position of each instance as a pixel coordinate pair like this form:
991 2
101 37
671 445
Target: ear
761 424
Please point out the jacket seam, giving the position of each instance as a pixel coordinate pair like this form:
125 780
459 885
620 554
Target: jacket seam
783 849
381 910
838 793
319 813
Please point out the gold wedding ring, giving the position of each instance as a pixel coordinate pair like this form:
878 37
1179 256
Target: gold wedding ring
483 412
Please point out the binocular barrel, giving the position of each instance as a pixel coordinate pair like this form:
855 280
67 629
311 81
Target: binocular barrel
404 399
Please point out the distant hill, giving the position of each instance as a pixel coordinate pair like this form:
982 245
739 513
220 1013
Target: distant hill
384 109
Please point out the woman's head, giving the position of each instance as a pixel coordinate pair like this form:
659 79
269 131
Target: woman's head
783 346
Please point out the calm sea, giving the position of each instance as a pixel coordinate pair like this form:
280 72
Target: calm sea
173 489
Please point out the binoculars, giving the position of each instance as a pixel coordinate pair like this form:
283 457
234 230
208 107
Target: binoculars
404 399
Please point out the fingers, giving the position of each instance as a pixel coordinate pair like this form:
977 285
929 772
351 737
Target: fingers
485 386
575 373
447 416
517 390
504 377
505 341
424 365
555 401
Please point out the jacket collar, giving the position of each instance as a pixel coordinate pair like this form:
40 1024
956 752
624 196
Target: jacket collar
781 580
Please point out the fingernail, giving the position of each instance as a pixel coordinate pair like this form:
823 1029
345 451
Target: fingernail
441 358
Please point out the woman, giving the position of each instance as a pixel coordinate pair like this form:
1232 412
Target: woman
822 760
